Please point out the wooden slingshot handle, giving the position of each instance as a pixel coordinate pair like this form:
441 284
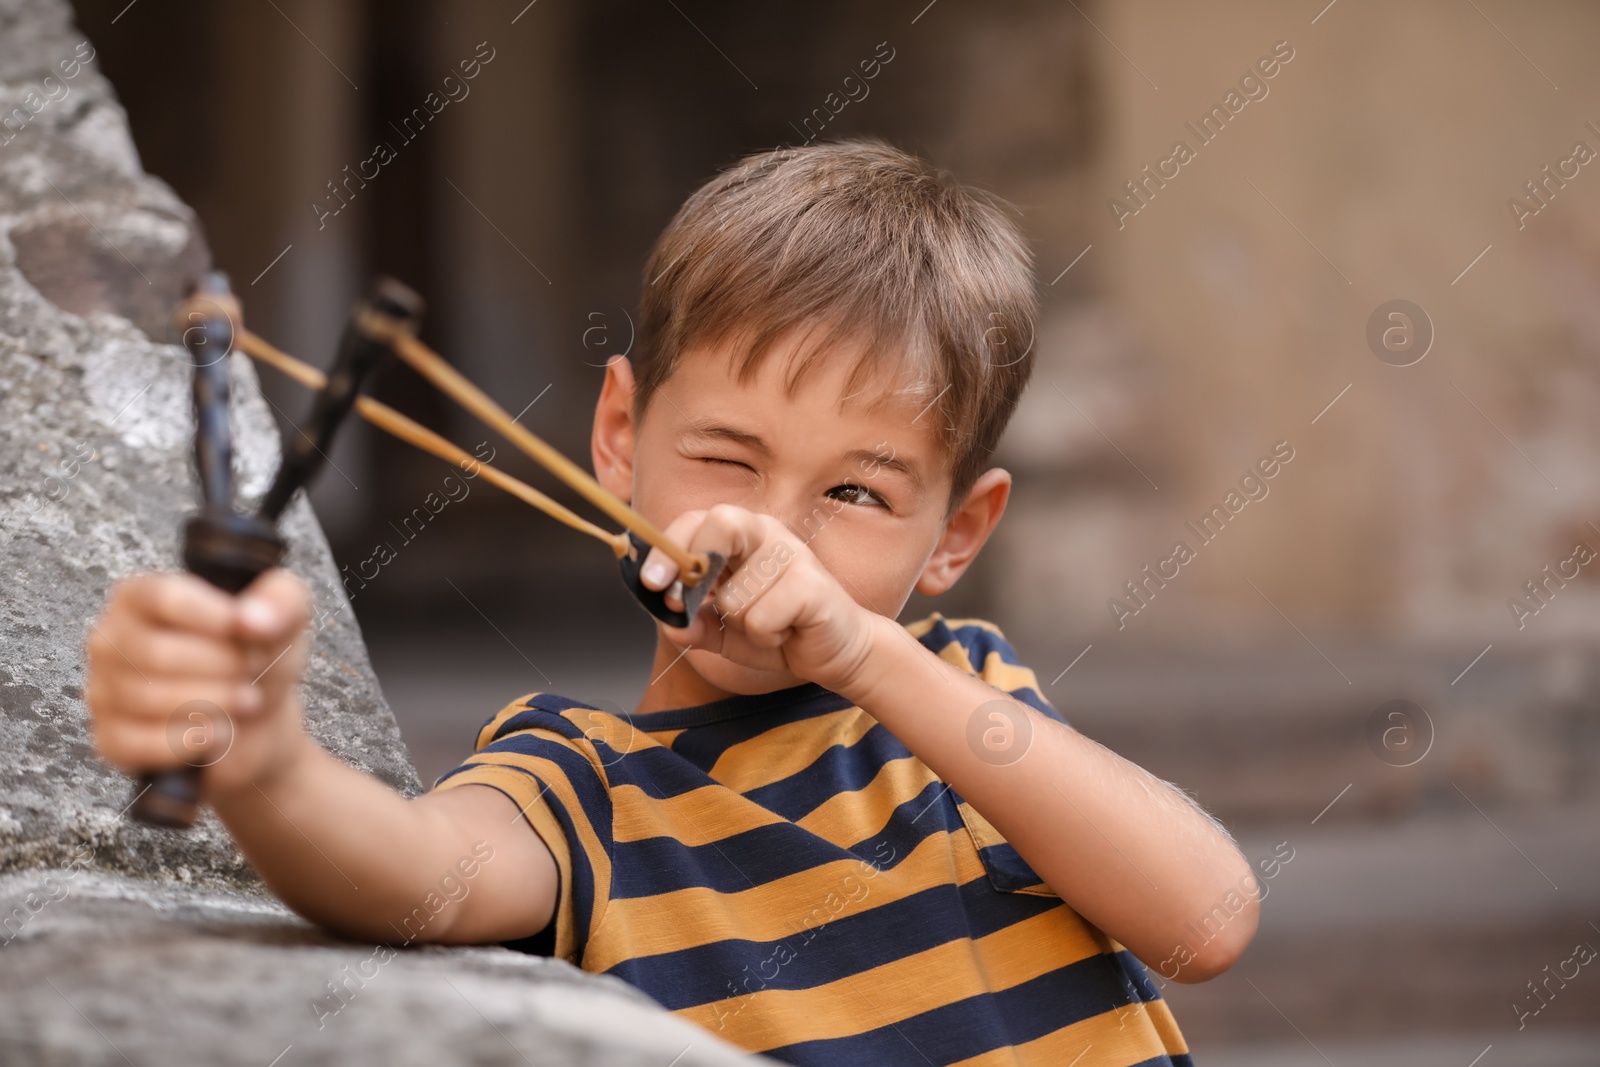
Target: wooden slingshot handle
227 548
230 551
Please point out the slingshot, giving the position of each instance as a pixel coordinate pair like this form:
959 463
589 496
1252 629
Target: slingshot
230 549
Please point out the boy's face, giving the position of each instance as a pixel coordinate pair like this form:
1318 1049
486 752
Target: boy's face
862 481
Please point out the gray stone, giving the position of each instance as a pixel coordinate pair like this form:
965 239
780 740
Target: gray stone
96 469
121 942
101 969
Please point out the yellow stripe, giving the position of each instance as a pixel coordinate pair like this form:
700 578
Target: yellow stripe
511 709
618 734
697 817
698 915
956 653
784 750
900 989
1118 1038
1008 676
511 771
666 737
846 818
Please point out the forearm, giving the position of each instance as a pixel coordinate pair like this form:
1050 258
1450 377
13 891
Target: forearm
1122 848
342 848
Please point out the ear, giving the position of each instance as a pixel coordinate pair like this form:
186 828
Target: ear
966 532
612 438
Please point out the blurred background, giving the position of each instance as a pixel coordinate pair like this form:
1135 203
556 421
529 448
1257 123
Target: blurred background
1381 259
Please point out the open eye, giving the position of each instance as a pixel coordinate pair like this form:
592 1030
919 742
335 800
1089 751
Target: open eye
858 494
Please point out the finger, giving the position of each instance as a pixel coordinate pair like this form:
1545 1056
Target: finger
770 621
273 607
137 749
658 569
162 700
276 667
177 600
757 571
173 654
733 531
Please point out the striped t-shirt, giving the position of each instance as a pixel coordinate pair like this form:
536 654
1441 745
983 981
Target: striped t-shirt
781 870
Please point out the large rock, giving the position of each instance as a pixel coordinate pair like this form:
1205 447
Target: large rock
173 974
122 942
96 469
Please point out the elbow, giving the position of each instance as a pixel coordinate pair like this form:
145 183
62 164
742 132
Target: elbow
1222 950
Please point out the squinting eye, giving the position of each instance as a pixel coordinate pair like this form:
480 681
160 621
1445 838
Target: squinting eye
854 495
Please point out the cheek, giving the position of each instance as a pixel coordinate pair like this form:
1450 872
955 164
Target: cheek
666 485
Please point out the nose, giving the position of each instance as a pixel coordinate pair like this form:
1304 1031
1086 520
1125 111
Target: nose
808 517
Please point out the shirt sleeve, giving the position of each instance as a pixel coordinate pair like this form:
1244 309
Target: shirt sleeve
546 765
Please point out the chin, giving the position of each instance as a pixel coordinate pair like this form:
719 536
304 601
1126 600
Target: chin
735 677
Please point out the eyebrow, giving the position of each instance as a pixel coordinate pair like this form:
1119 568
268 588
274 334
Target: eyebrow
716 430
890 462
707 429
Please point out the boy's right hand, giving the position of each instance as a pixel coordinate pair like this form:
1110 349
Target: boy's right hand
182 673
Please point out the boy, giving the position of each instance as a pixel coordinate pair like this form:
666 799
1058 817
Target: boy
821 834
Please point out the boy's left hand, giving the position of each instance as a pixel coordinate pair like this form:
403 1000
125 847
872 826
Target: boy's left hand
779 607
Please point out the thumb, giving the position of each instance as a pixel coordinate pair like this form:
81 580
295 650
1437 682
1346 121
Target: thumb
272 607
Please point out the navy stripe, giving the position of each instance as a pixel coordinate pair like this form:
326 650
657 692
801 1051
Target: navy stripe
838 769
579 772
704 745
1007 869
850 935
763 854
761 705
730 865
978 1024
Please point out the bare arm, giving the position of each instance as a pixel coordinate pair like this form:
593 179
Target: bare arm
1124 849
340 847
353 856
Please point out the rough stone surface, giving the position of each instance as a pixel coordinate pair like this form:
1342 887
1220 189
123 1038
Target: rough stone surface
240 981
125 943
96 469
